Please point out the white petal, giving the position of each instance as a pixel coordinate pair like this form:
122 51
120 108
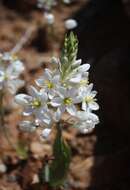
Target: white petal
46 132
22 99
88 121
62 109
71 110
33 91
71 24
89 88
27 126
54 60
76 79
84 128
44 118
56 79
83 68
85 115
49 18
67 1
93 93
15 69
2 74
51 94
28 111
77 100
48 74
14 85
84 106
62 92
56 102
43 96
40 82
57 115
81 115
93 106
71 92
7 56
77 63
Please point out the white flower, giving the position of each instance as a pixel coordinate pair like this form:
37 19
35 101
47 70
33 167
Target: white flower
9 73
3 168
46 4
88 96
71 24
87 122
35 104
84 82
78 73
67 1
45 118
27 126
45 133
49 82
65 101
49 18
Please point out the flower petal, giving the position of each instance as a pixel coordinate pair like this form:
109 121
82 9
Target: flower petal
71 110
22 99
27 126
33 91
15 69
57 115
14 85
93 106
48 74
83 68
46 132
84 106
56 102
40 82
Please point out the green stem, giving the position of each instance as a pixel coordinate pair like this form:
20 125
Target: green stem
47 173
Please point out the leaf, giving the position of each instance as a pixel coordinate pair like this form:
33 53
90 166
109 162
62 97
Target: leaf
60 165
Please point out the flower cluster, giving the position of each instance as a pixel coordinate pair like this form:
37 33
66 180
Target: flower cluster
64 90
10 70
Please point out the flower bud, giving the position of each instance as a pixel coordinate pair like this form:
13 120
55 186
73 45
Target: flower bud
45 133
49 18
71 24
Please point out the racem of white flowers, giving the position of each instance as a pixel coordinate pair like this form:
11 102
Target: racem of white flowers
10 70
66 89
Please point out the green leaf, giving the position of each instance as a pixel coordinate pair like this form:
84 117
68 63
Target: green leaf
60 165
